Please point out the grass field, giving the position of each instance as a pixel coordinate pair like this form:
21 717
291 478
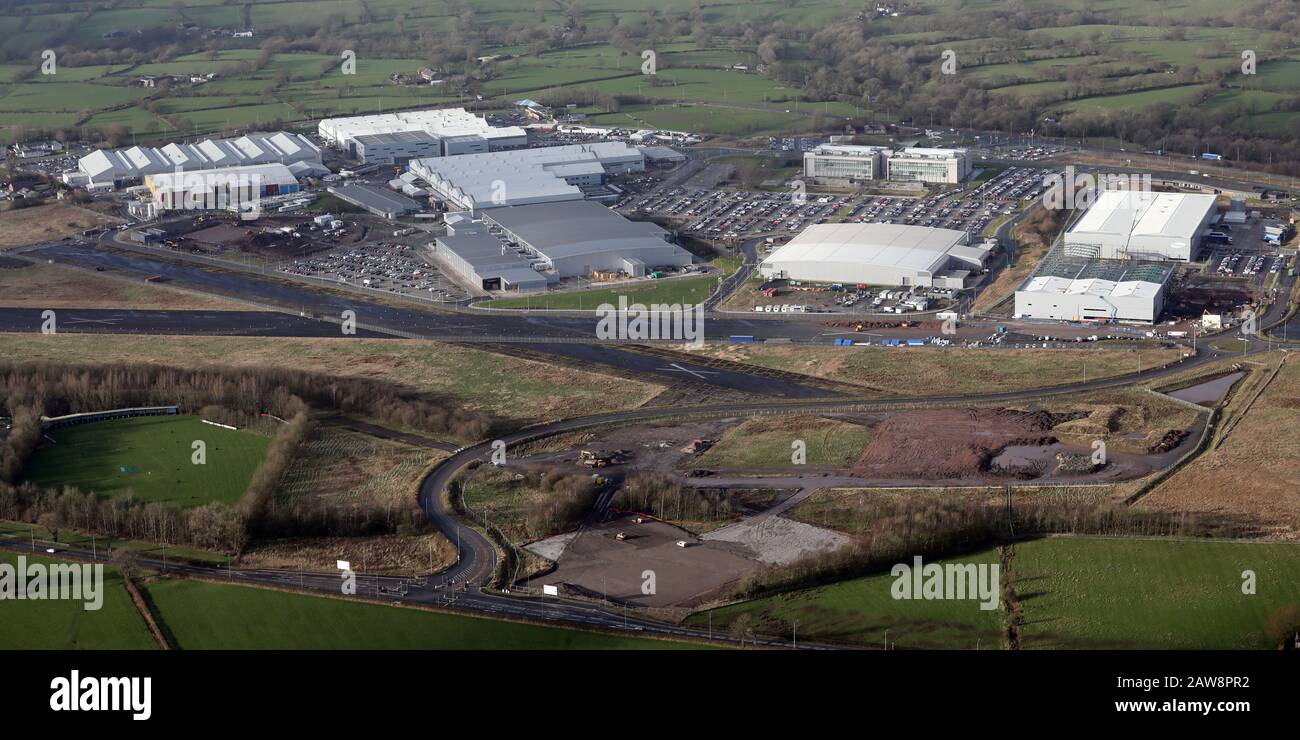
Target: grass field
156 450
511 387
1126 58
209 616
67 625
47 223
766 443
668 291
1075 593
43 285
862 612
919 370
1253 471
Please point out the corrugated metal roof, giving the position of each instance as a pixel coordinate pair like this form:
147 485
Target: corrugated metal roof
1124 212
571 228
920 248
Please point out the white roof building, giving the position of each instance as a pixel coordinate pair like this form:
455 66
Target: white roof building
1073 289
915 164
877 254
1131 224
525 176
106 167
440 122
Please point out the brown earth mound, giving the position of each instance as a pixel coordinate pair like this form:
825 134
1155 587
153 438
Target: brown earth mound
950 443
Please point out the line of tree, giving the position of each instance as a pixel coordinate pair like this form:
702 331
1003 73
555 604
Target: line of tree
567 500
214 526
58 388
664 498
280 455
18 447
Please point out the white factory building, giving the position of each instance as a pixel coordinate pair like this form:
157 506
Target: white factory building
525 176
877 254
398 148
226 188
928 165
845 162
458 130
1076 289
1129 224
109 168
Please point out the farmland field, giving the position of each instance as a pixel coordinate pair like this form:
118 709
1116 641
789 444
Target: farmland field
1075 593
67 625
150 457
1132 62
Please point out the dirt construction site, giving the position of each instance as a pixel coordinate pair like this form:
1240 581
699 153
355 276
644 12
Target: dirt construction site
636 559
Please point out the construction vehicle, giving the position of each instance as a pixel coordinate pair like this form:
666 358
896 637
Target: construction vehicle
593 459
697 446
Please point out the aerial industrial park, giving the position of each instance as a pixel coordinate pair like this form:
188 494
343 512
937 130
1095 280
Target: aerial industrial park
586 336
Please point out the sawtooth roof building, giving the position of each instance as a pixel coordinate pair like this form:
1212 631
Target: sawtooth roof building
1129 224
877 254
109 168
225 188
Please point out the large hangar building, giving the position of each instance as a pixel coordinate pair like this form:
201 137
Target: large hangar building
526 176
577 238
1129 224
878 254
457 130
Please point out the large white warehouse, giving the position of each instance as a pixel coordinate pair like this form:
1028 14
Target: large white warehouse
466 131
1128 224
877 254
1075 289
526 176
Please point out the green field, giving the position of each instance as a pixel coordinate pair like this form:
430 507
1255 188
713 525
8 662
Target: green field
766 443
218 617
669 291
862 612
156 451
1075 593
67 625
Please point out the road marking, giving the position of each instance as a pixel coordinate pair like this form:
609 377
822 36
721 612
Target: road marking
675 368
79 320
